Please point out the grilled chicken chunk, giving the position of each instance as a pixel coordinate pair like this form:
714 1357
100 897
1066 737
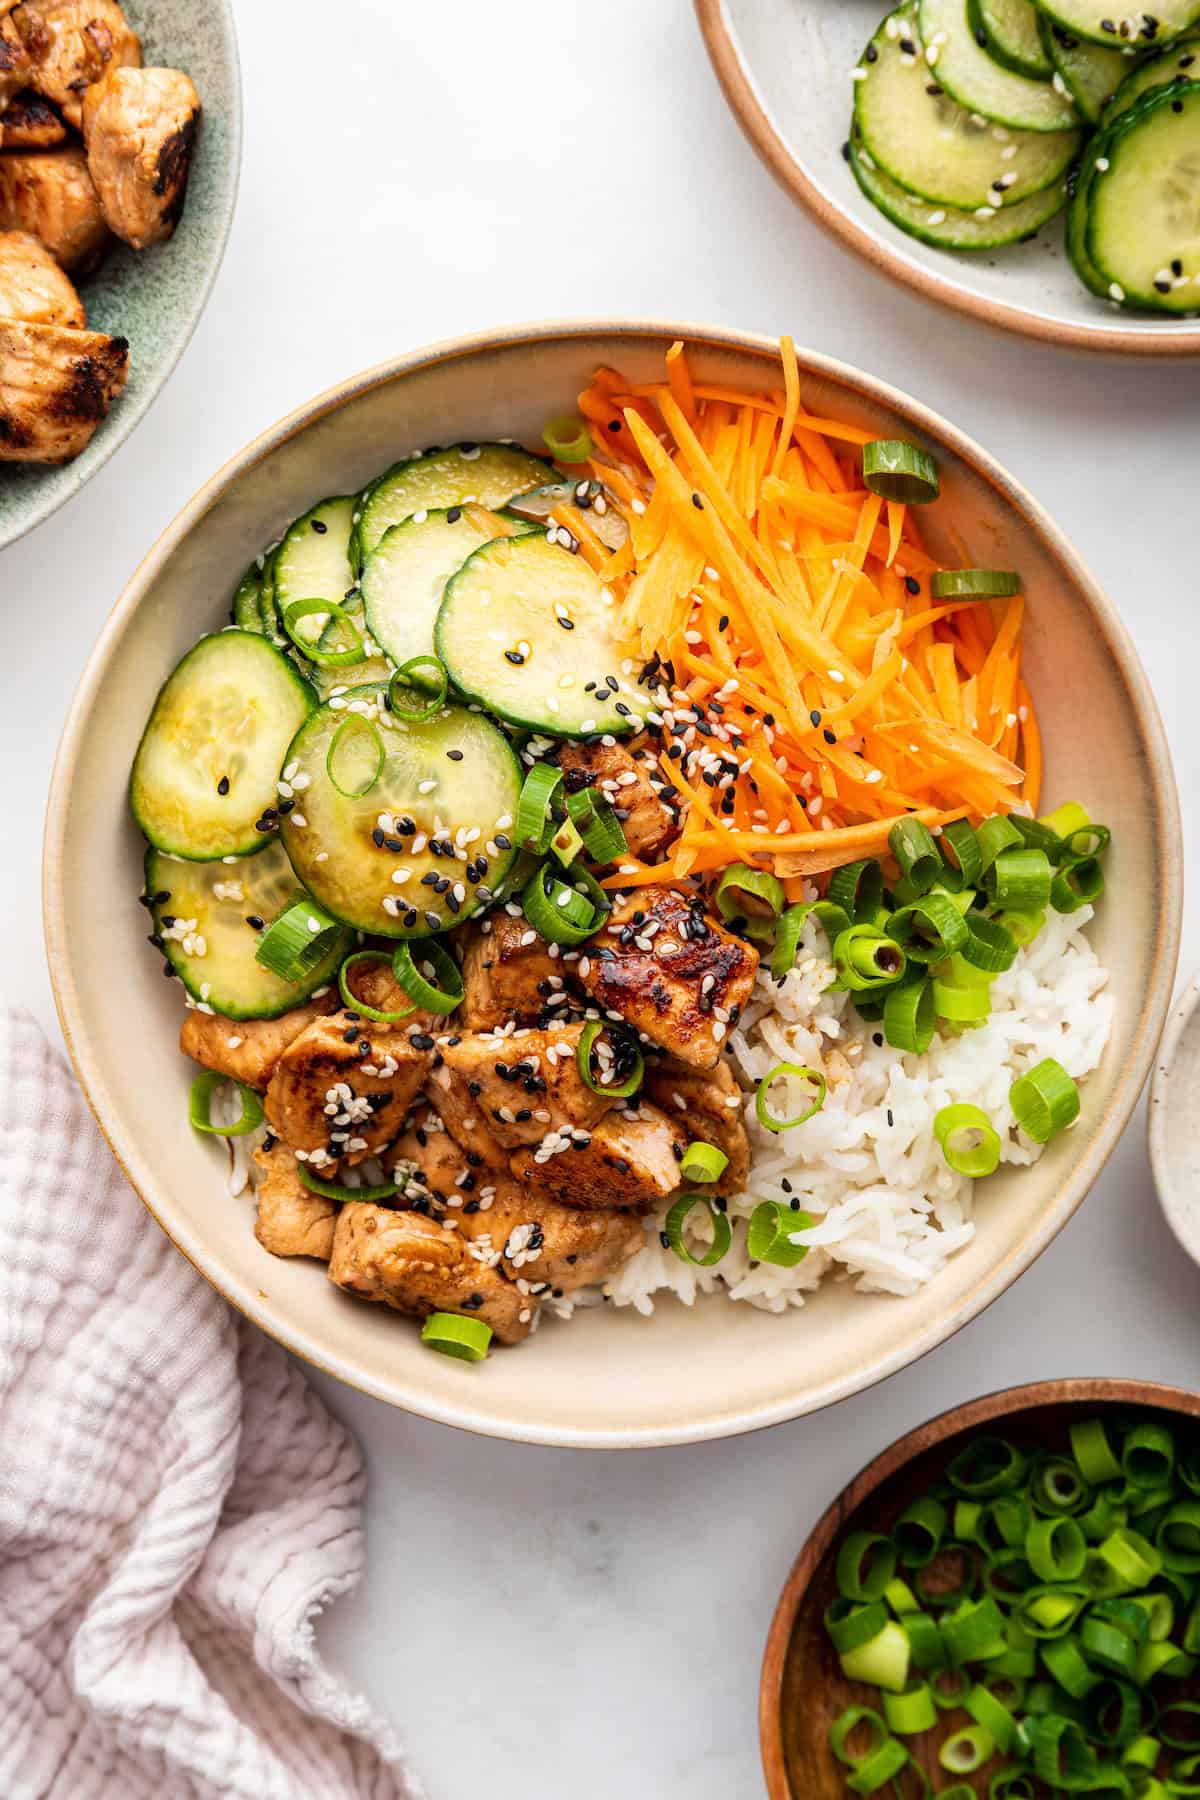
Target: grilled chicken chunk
51 194
291 1220
709 1108
30 123
624 782
406 1261
16 67
508 973
32 286
527 1084
55 387
465 1119
631 1159
334 1101
140 127
666 965
443 1174
73 43
246 1050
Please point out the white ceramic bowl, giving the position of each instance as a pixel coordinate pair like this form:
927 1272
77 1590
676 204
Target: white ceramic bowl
785 68
1171 1119
608 1378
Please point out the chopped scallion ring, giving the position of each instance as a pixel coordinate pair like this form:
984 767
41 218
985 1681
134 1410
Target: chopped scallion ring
745 893
994 835
910 1017
1020 879
200 1096
1078 884
969 1141
336 1190
412 674
449 991
989 946
848 1722
967 1750
567 439
703 1162
596 821
900 471
867 959
535 809
566 843
351 1000
960 842
1045 1101
912 1712
787 939
812 1076
298 940
1067 818
454 1335
769 1234
915 849
931 928
310 646
973 584
677 1218
857 888
625 1064
961 1005
560 912
355 758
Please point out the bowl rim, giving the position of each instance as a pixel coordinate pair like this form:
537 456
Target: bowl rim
124 421
472 1414
1094 1390
1166 1181
738 88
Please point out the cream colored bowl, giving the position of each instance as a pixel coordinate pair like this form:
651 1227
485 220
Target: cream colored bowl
610 1379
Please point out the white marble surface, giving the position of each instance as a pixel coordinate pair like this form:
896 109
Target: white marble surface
542 1622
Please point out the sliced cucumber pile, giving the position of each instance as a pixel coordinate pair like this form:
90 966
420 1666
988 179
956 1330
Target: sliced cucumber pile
207 766
479 474
405 576
209 920
527 630
415 851
969 124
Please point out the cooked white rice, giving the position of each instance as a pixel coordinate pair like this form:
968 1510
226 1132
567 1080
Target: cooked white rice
867 1167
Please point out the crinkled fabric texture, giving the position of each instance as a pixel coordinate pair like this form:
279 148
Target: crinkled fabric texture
176 1505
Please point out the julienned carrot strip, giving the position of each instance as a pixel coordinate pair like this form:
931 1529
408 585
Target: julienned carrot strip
846 837
896 513
1031 745
680 381
791 385
594 553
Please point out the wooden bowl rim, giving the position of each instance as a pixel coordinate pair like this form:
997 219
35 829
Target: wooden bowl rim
1100 1390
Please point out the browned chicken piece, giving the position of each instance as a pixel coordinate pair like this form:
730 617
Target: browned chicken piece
624 781
664 963
16 67
33 287
56 385
343 1088
508 973
140 127
291 1220
527 1084
465 1119
246 1050
31 123
709 1107
74 43
407 1261
443 1173
631 1159
51 194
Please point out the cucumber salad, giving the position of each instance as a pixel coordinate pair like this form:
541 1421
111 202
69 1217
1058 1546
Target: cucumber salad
578 893
977 122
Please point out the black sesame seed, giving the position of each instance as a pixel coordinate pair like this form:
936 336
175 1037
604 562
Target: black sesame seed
351 1036
829 736
872 54
286 806
454 755
698 503
433 920
223 785
453 515
567 624
377 838
614 424
319 526
503 842
514 657
255 922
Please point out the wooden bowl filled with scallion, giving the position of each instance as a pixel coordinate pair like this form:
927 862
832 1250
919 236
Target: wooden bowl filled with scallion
1005 1605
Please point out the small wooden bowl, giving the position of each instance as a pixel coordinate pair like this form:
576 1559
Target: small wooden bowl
803 1688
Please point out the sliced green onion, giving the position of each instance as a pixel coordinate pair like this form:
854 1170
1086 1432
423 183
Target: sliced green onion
883 1662
925 1641
1061 1752
882 1766
455 1335
1036 836
1066 819
1080 884
1131 1557
1091 1449
355 758
994 835
857 887
351 1000
962 1006
1020 880
866 1562
1114 1712
974 1631
918 1532
1057 1549
1022 927
852 1622
200 1106
1178 1537
973 584
915 849
627 1051
336 1190
412 674
787 939
1050 1612
1096 839
900 1597
745 893
968 1140
846 1724
989 946
910 1017
567 438
722 1232
299 939
912 1712
987 1466
1057 1487
703 1162
960 840
309 646
1186 1709
897 470
598 824
567 842
1143 1753
535 824
560 912
867 959
967 1750
1069 1667
931 928
1045 1101
769 1234
1148 1456
950 1688
993 1715
449 991
812 1076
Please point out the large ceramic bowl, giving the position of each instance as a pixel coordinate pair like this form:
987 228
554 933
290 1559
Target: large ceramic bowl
608 1378
154 298
784 66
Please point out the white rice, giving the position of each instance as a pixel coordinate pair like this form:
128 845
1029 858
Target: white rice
888 1209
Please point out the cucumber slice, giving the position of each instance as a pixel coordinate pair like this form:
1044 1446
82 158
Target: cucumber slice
374 667
406 575
485 474
246 611
924 141
529 631
1143 222
312 562
441 781
945 226
1181 63
1091 73
1009 28
970 76
222 721
202 913
1105 23
1077 219
609 525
